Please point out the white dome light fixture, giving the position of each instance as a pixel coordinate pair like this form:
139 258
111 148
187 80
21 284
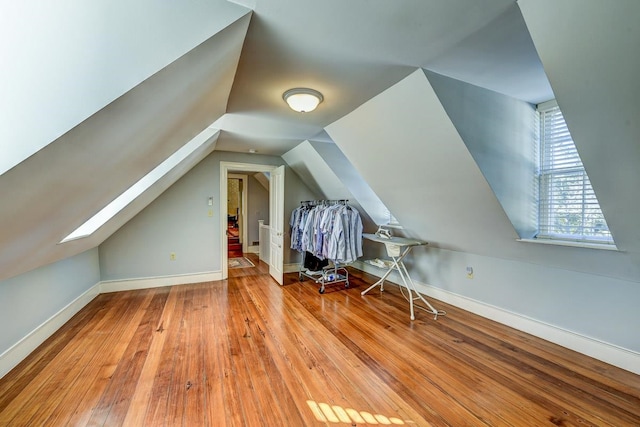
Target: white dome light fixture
302 100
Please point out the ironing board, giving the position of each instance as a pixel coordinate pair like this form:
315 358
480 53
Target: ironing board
398 248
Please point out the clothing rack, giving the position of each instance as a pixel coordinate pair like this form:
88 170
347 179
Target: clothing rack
325 202
322 273
329 275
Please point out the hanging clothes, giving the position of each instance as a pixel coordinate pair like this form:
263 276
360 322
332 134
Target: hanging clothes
327 231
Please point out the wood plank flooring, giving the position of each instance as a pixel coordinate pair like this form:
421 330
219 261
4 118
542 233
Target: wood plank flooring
247 352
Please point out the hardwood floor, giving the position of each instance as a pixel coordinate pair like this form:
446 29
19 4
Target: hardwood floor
247 352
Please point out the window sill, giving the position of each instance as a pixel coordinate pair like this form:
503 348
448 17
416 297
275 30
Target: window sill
587 245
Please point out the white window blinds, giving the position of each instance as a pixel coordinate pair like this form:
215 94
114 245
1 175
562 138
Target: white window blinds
568 208
391 220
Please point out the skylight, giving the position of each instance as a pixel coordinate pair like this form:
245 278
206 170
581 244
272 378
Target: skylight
120 202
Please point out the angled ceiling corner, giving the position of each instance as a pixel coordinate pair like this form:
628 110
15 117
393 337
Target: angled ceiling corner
314 172
352 181
315 169
499 56
406 148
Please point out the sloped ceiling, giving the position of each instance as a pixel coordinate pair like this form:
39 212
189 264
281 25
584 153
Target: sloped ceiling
479 59
65 183
64 61
263 179
352 52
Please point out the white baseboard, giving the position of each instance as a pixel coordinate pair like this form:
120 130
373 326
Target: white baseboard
157 282
20 350
614 355
609 353
253 249
291 268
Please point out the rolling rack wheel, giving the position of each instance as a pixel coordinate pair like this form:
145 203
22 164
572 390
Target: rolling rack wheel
329 276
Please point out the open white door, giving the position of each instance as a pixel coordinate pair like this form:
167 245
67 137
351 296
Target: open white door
276 221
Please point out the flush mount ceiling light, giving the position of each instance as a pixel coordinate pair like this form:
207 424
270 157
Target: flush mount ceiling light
302 100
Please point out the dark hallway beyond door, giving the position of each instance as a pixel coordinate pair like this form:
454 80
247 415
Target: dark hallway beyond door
234 247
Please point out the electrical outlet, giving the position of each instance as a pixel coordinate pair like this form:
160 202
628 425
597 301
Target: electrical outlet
469 272
210 213
172 256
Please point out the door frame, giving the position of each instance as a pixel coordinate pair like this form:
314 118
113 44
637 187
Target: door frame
225 169
276 225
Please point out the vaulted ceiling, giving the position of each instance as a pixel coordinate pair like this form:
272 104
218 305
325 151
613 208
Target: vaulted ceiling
99 93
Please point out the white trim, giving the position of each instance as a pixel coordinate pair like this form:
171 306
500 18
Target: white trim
225 168
20 350
572 243
254 249
392 225
609 353
291 268
157 282
547 105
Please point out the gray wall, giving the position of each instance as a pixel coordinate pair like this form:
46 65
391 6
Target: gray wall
498 131
434 186
178 222
28 300
598 307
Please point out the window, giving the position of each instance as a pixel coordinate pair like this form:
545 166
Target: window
123 200
567 206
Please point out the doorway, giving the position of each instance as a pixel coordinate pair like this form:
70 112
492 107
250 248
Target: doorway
276 214
237 204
